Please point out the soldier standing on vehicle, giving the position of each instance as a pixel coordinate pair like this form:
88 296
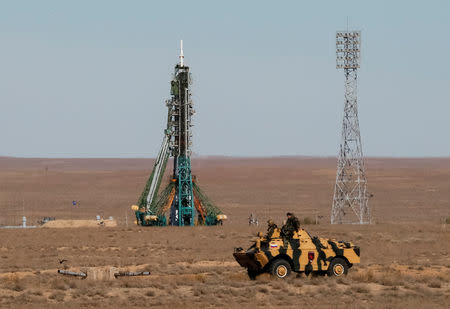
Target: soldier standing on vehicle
271 226
292 225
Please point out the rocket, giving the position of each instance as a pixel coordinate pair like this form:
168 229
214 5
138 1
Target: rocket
181 203
181 53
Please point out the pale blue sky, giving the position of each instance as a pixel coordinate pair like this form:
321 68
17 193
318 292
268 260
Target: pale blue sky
89 78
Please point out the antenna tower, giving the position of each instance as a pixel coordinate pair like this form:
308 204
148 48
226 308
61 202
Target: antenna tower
350 201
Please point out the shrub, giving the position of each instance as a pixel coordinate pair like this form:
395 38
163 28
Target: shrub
364 276
343 281
298 283
361 289
307 221
18 287
36 292
58 296
199 290
150 293
348 291
59 285
434 284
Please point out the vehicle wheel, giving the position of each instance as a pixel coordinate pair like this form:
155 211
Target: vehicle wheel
338 267
280 268
252 274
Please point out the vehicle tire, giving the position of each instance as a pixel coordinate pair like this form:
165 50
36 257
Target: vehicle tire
280 268
338 267
252 274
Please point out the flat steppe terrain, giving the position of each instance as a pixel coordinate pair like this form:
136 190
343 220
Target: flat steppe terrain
405 260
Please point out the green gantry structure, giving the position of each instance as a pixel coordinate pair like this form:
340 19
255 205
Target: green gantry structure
181 202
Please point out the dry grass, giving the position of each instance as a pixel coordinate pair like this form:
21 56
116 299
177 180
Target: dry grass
57 296
404 264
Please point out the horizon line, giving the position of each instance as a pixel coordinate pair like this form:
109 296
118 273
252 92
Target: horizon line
229 157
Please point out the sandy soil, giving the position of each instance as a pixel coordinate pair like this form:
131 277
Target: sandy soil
79 223
405 254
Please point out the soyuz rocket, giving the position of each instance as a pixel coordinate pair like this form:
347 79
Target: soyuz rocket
182 202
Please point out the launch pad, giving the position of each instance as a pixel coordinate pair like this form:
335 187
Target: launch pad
181 202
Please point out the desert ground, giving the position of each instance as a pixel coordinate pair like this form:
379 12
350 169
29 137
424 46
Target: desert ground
405 260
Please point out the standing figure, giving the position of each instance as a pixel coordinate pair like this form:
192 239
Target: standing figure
292 225
253 220
271 226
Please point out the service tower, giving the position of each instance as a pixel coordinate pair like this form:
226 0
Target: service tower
181 203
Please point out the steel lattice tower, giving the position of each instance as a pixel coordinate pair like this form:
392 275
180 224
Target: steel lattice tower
350 201
181 202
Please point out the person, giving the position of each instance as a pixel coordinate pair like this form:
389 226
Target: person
271 226
250 219
292 225
253 220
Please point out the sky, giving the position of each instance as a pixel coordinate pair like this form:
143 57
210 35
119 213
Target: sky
89 78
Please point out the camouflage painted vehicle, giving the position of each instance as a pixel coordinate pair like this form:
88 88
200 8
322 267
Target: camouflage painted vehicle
303 253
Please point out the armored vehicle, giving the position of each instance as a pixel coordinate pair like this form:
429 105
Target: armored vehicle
280 255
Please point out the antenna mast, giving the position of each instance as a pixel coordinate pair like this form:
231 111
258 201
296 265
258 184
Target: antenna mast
350 201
